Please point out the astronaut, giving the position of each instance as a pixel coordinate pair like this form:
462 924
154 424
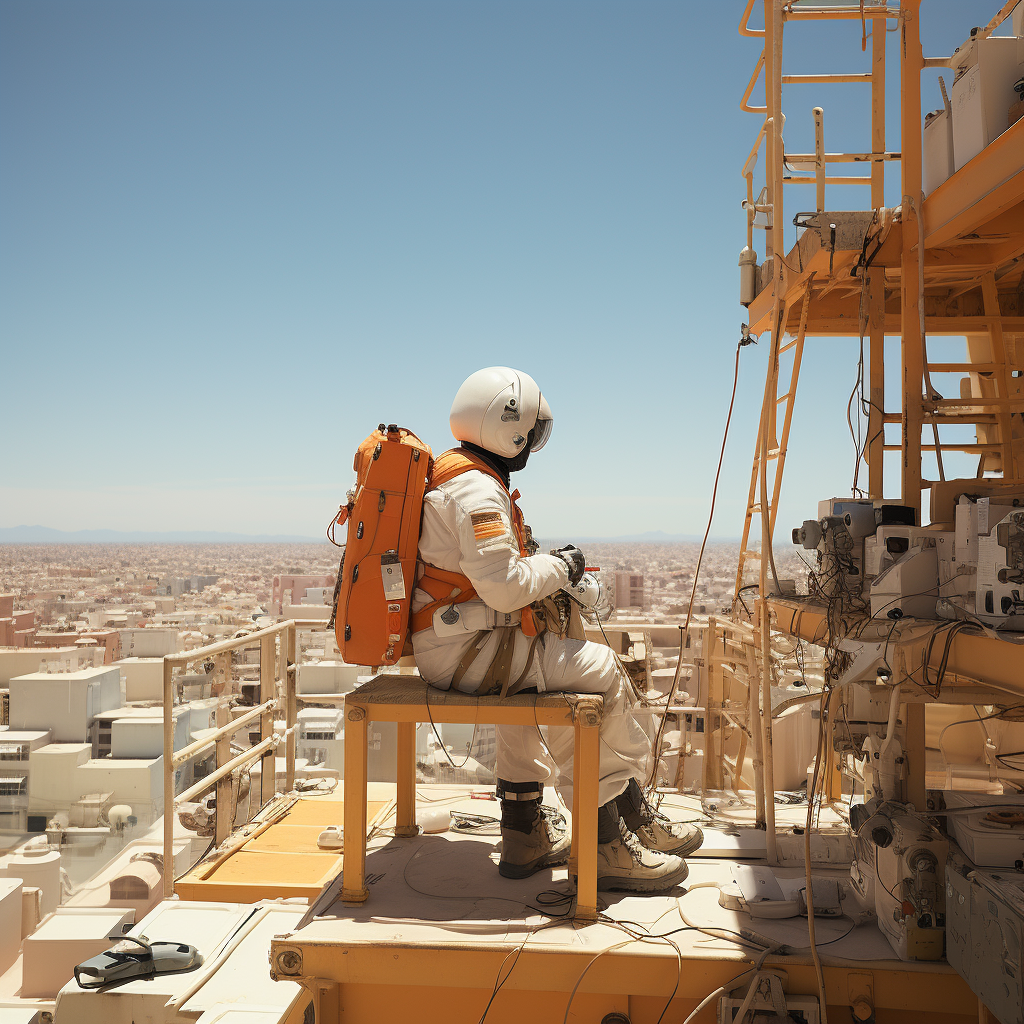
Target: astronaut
474 630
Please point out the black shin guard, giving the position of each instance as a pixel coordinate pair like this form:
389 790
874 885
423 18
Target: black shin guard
632 806
607 823
520 804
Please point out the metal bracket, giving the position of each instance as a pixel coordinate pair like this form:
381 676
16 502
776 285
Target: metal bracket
586 709
862 996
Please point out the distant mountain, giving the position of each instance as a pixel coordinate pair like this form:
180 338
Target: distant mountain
46 535
650 537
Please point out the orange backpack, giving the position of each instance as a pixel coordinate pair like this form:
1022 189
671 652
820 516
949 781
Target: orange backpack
378 568
373 595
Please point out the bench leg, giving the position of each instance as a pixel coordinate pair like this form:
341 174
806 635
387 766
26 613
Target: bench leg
354 869
574 849
405 821
586 776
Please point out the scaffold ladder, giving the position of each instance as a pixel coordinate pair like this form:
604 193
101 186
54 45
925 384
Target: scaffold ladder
769 443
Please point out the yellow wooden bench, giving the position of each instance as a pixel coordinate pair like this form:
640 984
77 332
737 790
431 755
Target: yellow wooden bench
404 700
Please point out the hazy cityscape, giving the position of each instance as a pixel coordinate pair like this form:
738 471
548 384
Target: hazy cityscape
206 589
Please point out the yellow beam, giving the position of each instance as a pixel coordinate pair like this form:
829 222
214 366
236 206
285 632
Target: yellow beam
988 661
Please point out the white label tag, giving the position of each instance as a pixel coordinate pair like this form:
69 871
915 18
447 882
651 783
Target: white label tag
394 580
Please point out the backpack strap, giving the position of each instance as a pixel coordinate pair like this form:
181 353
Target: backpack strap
447 587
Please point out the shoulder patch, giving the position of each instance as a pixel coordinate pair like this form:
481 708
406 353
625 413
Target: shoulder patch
487 524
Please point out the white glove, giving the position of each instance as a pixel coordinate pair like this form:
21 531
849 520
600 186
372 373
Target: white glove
587 592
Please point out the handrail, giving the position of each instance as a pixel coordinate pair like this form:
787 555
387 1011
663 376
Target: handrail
238 761
750 88
225 730
745 29
223 646
279 693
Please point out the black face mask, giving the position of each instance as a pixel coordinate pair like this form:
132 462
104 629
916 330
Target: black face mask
518 462
504 465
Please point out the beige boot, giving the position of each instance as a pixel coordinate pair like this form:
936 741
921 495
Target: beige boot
665 836
545 845
626 863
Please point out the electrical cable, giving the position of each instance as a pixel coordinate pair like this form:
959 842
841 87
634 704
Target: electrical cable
517 952
440 742
728 986
656 750
808 878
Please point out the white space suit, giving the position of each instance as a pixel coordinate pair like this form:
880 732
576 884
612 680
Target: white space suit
467 528
469 536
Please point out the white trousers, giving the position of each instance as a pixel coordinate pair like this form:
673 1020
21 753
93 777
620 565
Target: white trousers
577 666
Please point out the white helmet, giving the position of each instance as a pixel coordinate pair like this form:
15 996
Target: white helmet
496 408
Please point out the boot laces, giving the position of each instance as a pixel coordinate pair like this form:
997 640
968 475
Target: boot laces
632 843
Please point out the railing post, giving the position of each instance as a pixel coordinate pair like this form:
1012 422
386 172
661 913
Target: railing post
290 672
168 866
224 821
268 768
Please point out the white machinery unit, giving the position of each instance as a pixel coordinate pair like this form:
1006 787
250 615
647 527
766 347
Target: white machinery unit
985 936
909 862
889 543
991 837
982 93
981 573
840 534
909 586
938 149
1000 583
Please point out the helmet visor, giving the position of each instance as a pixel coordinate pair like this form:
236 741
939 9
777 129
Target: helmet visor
542 428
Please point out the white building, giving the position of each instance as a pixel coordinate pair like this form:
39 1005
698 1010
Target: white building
15 747
320 737
149 641
17 661
65 703
143 678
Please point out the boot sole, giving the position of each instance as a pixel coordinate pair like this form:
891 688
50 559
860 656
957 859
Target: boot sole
632 884
551 860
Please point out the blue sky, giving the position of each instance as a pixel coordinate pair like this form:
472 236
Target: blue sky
234 236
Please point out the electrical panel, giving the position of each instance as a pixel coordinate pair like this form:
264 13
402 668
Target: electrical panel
985 935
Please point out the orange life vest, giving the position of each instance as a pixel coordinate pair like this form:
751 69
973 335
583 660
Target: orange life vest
450 588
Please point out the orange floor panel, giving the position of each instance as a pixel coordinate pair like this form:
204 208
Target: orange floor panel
282 861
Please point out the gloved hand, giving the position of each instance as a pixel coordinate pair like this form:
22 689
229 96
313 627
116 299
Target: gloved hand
587 592
574 559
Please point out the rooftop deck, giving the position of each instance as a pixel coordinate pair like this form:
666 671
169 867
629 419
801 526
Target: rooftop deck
441 923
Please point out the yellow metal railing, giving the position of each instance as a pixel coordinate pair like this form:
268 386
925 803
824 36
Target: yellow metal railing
277 671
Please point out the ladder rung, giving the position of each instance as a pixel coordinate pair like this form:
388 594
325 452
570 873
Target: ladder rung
842 158
1014 404
976 418
821 79
783 398
966 367
972 448
774 453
